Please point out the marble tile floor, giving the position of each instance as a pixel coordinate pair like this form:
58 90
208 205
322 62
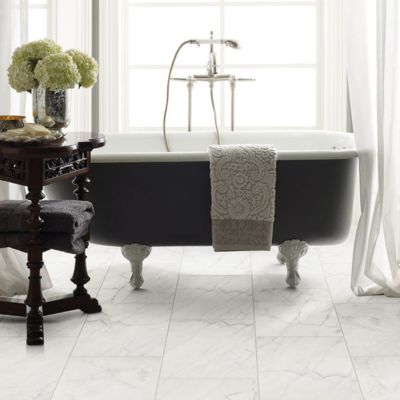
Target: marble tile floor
209 326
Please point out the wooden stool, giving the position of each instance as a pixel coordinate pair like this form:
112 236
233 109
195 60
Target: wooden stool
36 166
65 228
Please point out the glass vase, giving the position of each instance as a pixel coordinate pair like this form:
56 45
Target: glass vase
51 108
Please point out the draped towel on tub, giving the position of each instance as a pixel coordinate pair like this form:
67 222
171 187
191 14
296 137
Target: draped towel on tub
242 196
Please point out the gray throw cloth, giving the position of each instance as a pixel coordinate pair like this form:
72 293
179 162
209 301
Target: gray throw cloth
242 196
59 216
66 242
65 222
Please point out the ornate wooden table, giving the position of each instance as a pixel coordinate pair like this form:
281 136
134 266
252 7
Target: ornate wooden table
34 167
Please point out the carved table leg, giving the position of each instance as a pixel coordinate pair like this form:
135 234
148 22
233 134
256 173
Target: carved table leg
80 276
35 262
136 253
80 189
290 252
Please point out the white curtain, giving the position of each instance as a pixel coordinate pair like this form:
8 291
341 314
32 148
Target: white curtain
13 31
72 23
372 39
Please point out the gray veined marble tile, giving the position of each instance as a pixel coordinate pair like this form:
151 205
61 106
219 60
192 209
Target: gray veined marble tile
134 330
219 283
67 324
120 273
159 284
61 267
64 324
207 389
160 258
379 377
210 349
269 273
214 297
32 372
160 273
157 288
148 294
288 312
140 314
204 261
12 326
338 276
340 253
305 369
108 378
371 329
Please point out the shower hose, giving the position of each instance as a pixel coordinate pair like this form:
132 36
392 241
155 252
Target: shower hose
168 90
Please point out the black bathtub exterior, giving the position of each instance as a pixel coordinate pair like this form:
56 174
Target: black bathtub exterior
168 203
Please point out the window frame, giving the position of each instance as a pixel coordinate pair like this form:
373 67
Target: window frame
222 5
331 96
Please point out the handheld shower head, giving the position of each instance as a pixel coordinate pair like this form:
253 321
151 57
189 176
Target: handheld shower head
232 43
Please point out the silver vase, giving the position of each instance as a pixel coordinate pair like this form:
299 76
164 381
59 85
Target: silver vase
51 108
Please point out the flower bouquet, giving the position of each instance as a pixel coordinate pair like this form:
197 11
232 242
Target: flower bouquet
43 69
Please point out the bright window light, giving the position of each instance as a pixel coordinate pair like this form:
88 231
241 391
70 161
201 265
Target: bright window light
272 34
155 32
279 48
280 97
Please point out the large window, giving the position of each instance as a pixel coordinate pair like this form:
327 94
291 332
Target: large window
293 48
280 48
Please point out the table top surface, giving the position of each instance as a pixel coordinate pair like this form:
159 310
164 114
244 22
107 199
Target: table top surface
71 142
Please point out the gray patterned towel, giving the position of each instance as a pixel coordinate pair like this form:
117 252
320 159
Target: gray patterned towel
60 216
242 196
68 242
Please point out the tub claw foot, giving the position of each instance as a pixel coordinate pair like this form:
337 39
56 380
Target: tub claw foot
290 252
135 254
280 258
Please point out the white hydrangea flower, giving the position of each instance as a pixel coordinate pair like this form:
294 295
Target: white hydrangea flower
57 71
87 66
34 51
20 77
24 60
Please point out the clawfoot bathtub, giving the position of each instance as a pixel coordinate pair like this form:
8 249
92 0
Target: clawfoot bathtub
144 196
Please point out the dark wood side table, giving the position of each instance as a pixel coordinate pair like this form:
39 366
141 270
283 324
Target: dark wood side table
35 167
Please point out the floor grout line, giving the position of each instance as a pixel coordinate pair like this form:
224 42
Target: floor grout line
68 359
80 331
341 328
169 324
255 328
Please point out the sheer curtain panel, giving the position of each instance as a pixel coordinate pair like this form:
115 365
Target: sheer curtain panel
372 38
13 32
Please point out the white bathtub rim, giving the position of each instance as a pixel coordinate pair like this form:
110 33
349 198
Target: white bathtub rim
120 157
291 145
